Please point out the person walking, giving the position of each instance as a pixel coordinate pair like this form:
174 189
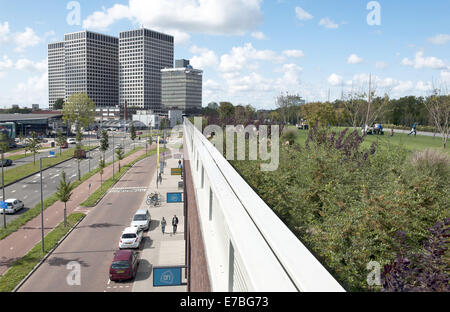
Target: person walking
163 225
174 224
413 130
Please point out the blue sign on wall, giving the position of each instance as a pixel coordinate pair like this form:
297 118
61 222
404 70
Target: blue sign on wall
167 276
52 153
174 197
3 205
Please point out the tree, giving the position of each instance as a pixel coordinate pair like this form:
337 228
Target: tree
79 108
4 146
439 108
213 106
164 123
33 145
323 113
63 193
60 140
226 111
119 154
101 166
132 132
104 142
59 104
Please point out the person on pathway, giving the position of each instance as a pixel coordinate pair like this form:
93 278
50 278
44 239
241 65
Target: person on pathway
413 130
174 224
163 225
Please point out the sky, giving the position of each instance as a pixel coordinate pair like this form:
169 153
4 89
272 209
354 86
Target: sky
251 51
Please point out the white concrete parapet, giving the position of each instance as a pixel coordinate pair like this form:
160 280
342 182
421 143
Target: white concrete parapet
248 248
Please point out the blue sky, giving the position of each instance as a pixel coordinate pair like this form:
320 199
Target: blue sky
250 50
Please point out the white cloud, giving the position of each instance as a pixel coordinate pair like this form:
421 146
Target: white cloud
6 63
25 64
335 80
258 35
232 17
328 23
240 57
424 86
34 90
403 87
290 78
302 14
439 39
293 53
354 59
204 58
424 62
4 32
445 77
26 39
381 65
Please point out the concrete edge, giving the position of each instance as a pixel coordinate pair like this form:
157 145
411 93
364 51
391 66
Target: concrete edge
32 174
46 256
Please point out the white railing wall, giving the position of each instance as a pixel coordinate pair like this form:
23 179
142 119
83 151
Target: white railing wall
248 248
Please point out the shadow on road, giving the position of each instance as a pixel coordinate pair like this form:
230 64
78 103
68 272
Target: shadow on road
100 225
58 261
153 225
144 270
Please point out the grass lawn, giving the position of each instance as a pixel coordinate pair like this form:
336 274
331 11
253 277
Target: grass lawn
19 172
411 143
21 267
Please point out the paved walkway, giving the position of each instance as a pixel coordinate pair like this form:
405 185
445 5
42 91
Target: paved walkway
163 249
19 243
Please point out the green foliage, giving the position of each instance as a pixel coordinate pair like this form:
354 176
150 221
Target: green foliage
64 192
132 132
33 145
4 146
323 113
104 141
347 211
59 103
60 140
226 110
79 108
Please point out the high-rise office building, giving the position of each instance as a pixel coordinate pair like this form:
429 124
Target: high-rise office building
91 65
56 73
142 55
182 87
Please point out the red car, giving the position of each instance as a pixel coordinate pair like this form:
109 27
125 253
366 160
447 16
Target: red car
124 265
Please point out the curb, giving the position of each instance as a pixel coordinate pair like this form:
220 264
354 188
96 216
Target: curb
32 174
46 256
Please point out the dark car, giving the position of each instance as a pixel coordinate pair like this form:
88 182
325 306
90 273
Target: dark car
6 162
124 265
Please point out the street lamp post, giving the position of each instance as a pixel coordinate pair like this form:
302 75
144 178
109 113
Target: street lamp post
3 199
113 150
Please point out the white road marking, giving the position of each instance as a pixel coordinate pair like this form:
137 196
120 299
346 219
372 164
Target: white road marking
13 191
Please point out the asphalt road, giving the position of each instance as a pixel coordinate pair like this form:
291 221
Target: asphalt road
93 243
28 190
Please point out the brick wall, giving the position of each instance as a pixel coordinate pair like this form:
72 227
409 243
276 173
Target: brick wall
198 278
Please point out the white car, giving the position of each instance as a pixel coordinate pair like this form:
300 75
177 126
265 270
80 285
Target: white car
13 205
71 141
131 238
141 220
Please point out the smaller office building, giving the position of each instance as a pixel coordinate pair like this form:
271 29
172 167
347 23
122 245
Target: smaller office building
181 87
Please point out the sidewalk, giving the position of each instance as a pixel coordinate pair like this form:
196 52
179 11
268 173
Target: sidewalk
159 249
19 243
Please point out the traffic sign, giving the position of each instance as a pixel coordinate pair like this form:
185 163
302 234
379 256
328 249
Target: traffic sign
3 205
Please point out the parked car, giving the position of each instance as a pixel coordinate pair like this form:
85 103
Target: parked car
131 238
6 162
65 145
124 265
71 141
13 205
141 220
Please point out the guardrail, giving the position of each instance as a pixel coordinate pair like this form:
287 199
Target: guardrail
247 247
